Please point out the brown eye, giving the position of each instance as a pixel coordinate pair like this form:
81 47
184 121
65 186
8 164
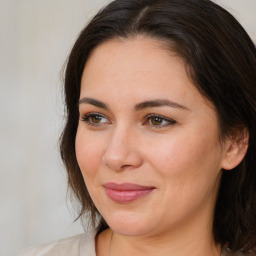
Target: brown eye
158 121
96 119
155 120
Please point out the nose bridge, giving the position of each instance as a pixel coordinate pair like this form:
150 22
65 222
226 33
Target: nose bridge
121 150
120 134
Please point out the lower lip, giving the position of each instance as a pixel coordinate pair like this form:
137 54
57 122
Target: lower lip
127 195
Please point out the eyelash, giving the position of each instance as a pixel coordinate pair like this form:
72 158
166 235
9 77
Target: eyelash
87 119
168 121
147 120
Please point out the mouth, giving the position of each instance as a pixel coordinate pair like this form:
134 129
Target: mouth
126 192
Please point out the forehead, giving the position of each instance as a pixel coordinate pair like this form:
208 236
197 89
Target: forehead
128 55
139 67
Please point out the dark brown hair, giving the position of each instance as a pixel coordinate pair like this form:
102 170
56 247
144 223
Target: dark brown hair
221 60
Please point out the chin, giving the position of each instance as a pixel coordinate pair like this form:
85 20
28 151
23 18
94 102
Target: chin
130 224
132 230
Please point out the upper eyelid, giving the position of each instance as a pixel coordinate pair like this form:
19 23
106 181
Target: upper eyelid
147 115
86 118
168 119
160 116
93 113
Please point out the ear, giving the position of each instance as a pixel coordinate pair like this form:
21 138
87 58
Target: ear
235 149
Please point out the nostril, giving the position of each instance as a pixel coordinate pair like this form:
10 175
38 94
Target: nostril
125 167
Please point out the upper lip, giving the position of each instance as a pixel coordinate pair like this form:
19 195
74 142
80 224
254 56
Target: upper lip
126 186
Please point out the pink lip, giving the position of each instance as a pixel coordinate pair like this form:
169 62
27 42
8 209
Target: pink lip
126 192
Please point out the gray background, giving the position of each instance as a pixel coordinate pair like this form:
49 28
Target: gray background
36 37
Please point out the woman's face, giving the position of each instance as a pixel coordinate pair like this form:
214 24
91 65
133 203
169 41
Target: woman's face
147 141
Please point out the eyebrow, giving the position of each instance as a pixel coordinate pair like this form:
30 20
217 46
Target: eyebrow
158 103
93 102
137 107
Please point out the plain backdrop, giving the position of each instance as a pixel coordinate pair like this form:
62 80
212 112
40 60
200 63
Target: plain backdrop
36 37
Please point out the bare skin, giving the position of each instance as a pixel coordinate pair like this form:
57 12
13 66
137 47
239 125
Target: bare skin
174 148
110 244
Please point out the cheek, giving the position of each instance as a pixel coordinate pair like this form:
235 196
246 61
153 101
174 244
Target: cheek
189 170
186 158
88 153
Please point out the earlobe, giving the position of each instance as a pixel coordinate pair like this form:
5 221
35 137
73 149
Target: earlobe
236 148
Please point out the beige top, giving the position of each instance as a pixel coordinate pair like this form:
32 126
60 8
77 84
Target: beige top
80 245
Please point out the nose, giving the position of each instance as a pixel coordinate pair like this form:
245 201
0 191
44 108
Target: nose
122 151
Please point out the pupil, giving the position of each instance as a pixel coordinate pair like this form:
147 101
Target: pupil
96 119
156 121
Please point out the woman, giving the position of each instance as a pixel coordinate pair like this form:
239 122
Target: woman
159 143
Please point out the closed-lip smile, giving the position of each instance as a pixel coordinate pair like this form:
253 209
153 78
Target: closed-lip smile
126 192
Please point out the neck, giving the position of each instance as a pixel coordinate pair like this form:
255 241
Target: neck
192 237
150 246
195 239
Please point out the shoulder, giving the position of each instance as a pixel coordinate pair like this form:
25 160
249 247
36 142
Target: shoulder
83 244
